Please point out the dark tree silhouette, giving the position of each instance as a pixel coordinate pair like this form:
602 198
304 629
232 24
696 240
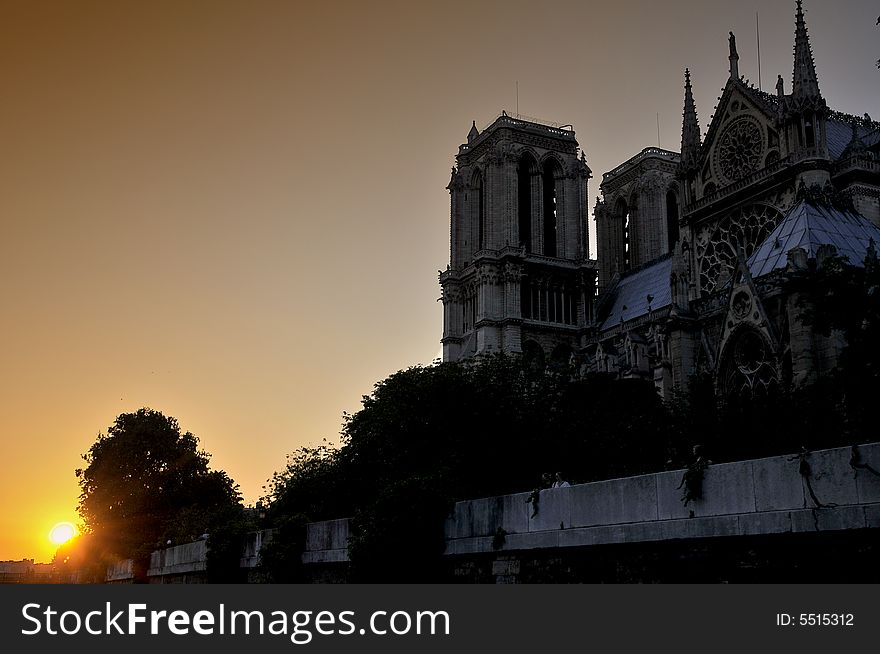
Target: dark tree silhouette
146 483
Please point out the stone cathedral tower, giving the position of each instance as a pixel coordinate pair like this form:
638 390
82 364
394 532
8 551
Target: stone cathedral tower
519 278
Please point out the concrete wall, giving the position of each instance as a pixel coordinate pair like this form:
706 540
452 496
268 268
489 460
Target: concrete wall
120 572
326 542
761 496
186 563
745 498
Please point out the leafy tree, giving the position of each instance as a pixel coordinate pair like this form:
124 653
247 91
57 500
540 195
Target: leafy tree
147 483
838 296
428 436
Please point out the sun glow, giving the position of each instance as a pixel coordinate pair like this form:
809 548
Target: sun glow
62 532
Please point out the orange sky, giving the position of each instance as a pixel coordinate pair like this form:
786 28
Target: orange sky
234 212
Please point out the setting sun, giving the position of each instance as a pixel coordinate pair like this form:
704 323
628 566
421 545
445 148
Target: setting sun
62 532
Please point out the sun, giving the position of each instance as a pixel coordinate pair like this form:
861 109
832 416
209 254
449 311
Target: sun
62 532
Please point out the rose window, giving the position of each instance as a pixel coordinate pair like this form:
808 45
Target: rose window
740 149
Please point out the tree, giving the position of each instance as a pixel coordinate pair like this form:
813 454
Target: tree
842 297
428 436
146 483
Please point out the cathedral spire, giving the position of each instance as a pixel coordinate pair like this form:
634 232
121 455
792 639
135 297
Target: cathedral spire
804 84
690 128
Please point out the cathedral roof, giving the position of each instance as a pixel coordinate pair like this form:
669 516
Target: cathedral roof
809 226
628 299
838 134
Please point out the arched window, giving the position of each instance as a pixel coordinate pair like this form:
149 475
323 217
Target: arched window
809 130
747 367
526 176
479 209
551 172
671 218
621 213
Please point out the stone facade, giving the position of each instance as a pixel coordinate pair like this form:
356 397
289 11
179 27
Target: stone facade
777 181
519 278
695 248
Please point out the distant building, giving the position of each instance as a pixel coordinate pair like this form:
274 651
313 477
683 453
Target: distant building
26 572
694 247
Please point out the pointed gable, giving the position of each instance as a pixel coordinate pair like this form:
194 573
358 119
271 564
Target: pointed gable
738 99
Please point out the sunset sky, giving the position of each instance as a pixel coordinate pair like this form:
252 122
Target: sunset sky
234 212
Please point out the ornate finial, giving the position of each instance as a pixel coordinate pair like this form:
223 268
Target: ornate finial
856 146
452 177
584 167
474 133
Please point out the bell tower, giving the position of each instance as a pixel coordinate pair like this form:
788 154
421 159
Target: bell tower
519 276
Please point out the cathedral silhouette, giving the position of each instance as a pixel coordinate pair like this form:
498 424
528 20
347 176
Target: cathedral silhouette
695 248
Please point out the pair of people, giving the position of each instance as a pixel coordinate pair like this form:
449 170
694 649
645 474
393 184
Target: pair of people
559 482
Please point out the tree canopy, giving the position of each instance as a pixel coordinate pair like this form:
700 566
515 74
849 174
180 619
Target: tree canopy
428 436
146 482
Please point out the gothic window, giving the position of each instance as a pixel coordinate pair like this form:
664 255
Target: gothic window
809 131
479 209
621 213
526 174
671 218
550 216
772 158
525 299
747 368
540 301
717 249
739 149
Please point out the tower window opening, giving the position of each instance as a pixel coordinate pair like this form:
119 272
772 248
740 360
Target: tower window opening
526 169
549 180
481 214
809 131
622 236
473 312
671 219
525 300
566 307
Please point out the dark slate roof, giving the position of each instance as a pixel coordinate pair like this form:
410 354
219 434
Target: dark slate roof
628 298
838 134
809 226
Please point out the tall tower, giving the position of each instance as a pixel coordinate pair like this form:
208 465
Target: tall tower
519 278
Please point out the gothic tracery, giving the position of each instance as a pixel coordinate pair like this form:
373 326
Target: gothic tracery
717 247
